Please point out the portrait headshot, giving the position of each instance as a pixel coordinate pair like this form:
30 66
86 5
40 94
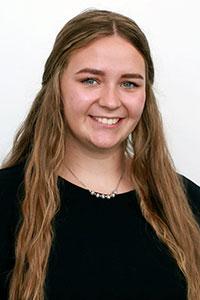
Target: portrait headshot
98 198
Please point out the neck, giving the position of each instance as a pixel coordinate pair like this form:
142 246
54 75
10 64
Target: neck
97 163
97 170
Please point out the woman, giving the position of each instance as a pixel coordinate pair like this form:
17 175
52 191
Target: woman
90 199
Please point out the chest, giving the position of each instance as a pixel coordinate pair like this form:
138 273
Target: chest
105 253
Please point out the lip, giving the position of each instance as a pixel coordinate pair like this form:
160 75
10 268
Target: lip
103 125
107 117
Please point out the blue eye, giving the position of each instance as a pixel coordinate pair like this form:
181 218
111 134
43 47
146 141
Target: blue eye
89 81
129 84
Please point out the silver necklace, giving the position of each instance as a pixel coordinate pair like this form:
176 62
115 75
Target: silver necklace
97 194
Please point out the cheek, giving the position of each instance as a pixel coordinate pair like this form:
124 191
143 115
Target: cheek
80 99
72 101
136 106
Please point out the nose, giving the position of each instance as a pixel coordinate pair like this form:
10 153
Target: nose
109 98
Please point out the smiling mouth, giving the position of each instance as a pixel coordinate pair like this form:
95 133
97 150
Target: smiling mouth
107 121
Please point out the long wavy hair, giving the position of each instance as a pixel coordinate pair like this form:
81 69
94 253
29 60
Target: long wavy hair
40 143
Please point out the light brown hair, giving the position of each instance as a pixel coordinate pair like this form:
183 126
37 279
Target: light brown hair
40 143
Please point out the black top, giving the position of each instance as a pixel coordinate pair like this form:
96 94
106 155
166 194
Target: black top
103 249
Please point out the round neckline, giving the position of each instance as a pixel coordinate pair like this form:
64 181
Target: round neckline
75 186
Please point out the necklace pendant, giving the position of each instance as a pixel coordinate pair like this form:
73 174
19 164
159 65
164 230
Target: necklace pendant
103 196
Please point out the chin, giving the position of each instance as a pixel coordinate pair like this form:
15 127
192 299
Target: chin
103 146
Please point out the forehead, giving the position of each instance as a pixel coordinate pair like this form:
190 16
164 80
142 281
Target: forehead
108 53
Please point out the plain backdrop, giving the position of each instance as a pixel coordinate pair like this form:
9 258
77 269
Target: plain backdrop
27 33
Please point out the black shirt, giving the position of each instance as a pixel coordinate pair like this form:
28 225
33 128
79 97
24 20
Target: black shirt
103 249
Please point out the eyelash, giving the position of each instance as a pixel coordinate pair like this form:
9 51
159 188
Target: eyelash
87 80
134 85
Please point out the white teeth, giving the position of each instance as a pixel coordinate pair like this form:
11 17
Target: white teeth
107 121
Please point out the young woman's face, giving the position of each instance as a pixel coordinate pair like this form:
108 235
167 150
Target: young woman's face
103 92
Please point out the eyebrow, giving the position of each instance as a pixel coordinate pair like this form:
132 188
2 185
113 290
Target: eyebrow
101 73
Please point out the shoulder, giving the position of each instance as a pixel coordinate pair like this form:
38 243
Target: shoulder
192 191
11 192
11 180
11 172
11 177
